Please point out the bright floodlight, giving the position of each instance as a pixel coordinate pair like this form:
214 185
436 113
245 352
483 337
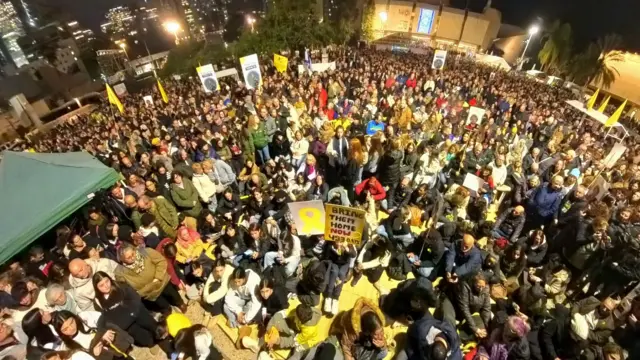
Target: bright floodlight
122 45
534 30
172 26
251 20
384 16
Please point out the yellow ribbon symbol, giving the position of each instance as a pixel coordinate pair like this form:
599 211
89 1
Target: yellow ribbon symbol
312 219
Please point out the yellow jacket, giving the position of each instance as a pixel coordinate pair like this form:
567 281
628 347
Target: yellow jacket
192 252
309 334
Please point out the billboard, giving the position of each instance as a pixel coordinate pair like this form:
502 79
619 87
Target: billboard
425 21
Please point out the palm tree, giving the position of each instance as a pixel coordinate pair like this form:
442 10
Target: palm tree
597 63
557 46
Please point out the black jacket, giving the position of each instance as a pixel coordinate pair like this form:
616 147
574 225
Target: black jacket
234 205
389 168
122 307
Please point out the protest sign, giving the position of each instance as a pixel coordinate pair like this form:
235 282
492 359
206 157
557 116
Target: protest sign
208 78
343 223
473 184
439 59
280 62
308 216
251 71
614 155
318 67
475 115
148 100
120 89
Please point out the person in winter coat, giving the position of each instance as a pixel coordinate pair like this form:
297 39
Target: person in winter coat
544 203
241 303
165 214
389 167
230 206
220 173
429 338
428 254
427 167
562 338
409 161
507 342
471 296
92 333
398 196
509 224
409 301
373 259
196 342
312 283
81 272
370 187
288 253
145 270
122 305
185 195
259 137
361 331
536 248
602 321
463 259
216 287
190 246
205 187
319 189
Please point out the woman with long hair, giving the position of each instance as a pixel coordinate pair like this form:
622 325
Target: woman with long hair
122 305
376 150
196 343
89 332
35 325
356 158
258 136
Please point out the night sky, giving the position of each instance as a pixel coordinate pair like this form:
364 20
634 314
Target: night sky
589 18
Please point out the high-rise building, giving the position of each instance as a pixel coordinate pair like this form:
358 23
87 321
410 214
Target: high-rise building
83 36
25 13
55 45
119 21
11 28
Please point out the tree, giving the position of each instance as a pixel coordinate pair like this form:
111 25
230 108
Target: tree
367 20
557 47
597 63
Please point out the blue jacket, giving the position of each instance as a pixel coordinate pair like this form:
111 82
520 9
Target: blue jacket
545 201
465 263
373 127
417 344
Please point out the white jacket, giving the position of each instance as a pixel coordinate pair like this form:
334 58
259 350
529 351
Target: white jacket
212 297
83 291
245 298
299 148
206 188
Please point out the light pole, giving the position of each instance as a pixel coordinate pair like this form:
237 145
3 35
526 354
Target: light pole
532 31
123 46
251 20
173 27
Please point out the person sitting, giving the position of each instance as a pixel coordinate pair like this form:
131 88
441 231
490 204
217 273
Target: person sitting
216 287
190 246
370 187
536 248
35 325
409 301
427 254
12 347
122 305
60 299
397 228
361 329
509 341
241 303
185 195
463 259
601 321
471 296
509 224
338 254
229 205
91 333
196 342
398 196
145 270
512 265
288 253
431 339
81 272
373 259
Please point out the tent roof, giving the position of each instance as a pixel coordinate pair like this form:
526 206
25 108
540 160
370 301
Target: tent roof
37 191
492 60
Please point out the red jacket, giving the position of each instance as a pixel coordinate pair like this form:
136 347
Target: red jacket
377 192
411 82
323 98
390 82
175 280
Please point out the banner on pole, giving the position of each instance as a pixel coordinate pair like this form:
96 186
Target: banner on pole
208 78
280 62
614 155
308 216
344 224
251 71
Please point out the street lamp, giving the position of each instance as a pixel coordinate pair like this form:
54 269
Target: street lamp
173 27
251 20
123 46
533 30
383 16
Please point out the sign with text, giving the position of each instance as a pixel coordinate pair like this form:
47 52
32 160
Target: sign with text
251 71
308 217
208 78
343 224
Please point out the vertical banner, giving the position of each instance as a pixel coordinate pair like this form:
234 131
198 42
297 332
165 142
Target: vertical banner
439 59
343 224
308 217
208 78
280 62
251 71
614 155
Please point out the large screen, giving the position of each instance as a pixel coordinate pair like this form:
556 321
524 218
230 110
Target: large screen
425 22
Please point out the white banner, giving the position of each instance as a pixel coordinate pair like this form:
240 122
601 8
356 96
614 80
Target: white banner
614 155
439 59
148 100
208 78
319 67
251 71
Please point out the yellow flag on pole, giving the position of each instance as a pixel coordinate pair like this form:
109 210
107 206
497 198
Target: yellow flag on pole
604 104
113 99
592 101
162 92
616 115
280 62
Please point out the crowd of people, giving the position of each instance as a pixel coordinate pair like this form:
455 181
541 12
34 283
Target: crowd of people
536 263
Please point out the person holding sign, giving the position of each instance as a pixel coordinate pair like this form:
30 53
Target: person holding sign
338 254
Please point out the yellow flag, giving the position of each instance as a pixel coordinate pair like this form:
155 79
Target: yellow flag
592 100
280 62
113 99
616 115
162 92
604 104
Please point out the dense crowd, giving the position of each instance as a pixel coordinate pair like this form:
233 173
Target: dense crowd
536 263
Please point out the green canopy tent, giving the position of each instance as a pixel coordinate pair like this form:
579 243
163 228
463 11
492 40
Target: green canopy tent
37 191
